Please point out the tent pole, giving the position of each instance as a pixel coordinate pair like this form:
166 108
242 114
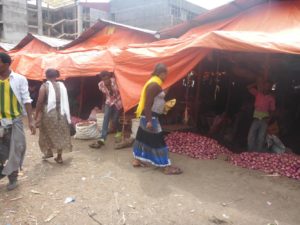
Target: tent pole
81 95
123 127
267 67
197 101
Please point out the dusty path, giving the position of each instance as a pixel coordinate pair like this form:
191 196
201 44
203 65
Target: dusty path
108 190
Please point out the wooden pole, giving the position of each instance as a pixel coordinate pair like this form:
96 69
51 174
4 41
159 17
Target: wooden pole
81 95
267 67
197 100
123 127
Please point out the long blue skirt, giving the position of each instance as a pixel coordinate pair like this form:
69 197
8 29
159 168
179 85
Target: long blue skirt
149 145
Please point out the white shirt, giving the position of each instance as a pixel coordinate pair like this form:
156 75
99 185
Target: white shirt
19 86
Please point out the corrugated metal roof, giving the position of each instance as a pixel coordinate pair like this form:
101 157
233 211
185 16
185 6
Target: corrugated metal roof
6 46
100 25
52 42
226 11
152 32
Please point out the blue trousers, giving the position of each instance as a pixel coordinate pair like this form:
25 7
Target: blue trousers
257 135
110 112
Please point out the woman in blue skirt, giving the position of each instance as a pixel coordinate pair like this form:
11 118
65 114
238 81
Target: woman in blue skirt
149 146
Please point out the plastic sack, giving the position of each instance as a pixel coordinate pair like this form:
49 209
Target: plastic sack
135 123
275 144
87 130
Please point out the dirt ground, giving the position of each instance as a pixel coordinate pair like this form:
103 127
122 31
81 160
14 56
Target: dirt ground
108 191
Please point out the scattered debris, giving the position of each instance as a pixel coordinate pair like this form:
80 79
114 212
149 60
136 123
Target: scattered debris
17 198
52 216
228 203
275 223
192 211
217 221
92 216
225 216
35 192
69 200
269 203
131 206
117 203
108 175
272 175
178 195
123 219
83 178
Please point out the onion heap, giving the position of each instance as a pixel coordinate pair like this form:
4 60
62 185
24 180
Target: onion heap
282 164
201 147
195 146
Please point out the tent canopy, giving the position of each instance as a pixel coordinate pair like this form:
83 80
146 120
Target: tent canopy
106 33
253 26
267 27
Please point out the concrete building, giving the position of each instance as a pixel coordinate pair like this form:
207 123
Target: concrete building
13 20
154 14
64 18
69 18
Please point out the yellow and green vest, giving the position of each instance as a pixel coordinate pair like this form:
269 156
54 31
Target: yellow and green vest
9 105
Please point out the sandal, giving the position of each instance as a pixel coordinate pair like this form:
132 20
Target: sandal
97 144
137 163
172 170
47 156
59 161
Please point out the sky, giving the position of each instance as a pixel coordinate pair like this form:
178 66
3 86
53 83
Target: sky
208 4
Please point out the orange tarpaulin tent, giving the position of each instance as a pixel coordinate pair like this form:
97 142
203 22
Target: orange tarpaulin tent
86 56
27 54
268 27
105 34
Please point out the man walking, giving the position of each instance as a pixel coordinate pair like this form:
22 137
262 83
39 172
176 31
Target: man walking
14 101
112 109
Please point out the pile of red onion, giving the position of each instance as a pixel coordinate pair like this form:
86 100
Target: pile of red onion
201 147
283 164
195 146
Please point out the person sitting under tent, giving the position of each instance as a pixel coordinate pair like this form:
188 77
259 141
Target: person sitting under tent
112 109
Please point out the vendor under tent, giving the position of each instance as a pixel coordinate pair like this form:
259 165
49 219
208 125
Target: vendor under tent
245 33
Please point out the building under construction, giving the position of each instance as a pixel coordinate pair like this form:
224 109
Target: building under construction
69 18
154 14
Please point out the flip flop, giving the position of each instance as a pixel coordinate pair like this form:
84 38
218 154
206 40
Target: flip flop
172 170
138 164
97 144
45 157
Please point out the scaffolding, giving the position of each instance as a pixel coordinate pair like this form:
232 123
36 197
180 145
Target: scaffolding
58 18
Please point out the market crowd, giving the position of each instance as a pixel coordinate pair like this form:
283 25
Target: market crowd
52 117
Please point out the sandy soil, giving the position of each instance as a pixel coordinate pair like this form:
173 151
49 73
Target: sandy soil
107 190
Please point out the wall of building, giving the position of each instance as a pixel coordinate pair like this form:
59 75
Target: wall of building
14 20
154 14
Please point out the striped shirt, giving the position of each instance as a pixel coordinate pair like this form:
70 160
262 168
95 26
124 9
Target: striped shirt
9 105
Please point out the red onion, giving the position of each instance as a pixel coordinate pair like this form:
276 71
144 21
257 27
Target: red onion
201 147
195 146
283 164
